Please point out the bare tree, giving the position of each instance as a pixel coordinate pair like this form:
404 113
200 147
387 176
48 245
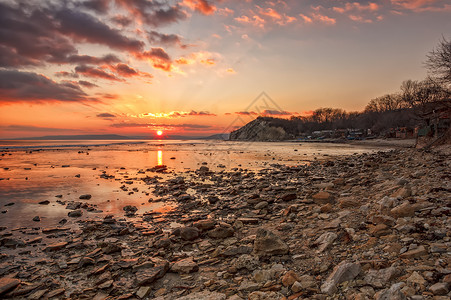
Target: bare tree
438 62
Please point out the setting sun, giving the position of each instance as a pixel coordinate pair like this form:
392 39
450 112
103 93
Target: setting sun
159 133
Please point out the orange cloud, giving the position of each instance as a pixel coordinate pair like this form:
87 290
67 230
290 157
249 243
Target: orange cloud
323 19
201 6
208 61
254 21
172 114
357 6
421 5
157 57
225 11
359 19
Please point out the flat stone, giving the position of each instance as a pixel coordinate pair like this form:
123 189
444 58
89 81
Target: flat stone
7 284
143 291
323 198
56 246
380 230
206 224
185 266
85 197
415 253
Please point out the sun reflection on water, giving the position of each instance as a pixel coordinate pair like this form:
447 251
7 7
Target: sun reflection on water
160 158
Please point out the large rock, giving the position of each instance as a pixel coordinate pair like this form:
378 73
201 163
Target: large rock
268 243
261 129
189 233
344 271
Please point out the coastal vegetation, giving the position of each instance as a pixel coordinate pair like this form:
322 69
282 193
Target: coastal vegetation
403 109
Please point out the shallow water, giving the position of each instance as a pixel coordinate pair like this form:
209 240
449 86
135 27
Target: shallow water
34 171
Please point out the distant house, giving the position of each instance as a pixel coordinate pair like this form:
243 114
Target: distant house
436 117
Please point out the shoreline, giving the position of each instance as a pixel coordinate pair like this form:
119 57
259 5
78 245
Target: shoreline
278 233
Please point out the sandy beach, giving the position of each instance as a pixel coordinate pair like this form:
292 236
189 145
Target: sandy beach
372 225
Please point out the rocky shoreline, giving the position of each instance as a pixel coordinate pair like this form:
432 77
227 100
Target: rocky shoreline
370 226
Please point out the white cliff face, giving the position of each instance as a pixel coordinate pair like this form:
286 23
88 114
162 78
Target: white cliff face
259 130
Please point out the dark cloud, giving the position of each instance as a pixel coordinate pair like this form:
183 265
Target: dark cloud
87 59
83 27
200 113
89 71
99 6
105 115
266 112
87 84
30 38
246 113
153 13
66 74
125 70
121 20
276 112
16 86
157 57
155 37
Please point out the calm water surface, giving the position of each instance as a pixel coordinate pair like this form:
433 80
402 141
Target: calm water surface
33 171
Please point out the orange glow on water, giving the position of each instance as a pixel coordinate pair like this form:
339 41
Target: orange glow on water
160 158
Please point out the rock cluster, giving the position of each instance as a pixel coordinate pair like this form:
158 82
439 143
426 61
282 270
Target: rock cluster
371 226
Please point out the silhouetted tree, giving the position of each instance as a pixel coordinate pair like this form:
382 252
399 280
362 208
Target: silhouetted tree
438 62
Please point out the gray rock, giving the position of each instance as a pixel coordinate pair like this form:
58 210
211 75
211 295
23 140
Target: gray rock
393 293
325 241
344 271
268 243
246 261
379 278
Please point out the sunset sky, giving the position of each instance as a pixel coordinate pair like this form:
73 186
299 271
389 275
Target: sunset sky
192 67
